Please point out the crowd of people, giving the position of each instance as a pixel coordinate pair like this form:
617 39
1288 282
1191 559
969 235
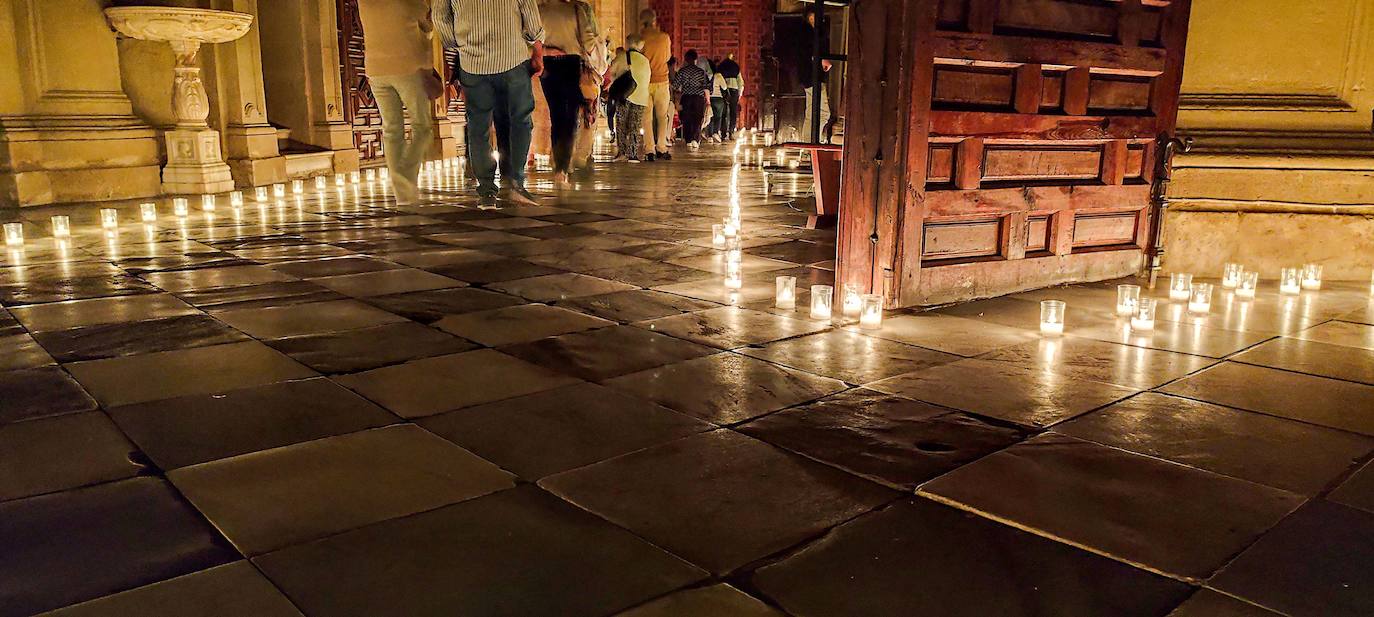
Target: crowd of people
536 74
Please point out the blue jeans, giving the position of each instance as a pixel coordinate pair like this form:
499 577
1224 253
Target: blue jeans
508 99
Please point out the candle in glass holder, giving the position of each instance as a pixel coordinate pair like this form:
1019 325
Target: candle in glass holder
148 212
298 187
1180 283
1249 283
321 184
355 177
793 164
730 228
734 275
260 194
61 226
822 297
718 234
1290 281
180 207
767 139
279 190
786 297
1127 299
1144 318
339 180
14 234
385 175
1200 299
871 312
1052 317
370 176
207 203
1230 275
109 218
782 157
851 301
236 199
1312 276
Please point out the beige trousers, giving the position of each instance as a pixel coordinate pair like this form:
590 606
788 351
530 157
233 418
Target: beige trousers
658 119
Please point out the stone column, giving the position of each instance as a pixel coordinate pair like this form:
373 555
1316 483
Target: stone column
235 73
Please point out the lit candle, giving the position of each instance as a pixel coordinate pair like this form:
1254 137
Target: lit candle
279 190
260 194
236 199
1312 276
1052 317
851 302
793 164
729 228
871 312
109 218
1249 283
14 234
320 184
385 175
822 296
1230 275
1179 285
1127 298
354 177
298 187
767 139
718 234
787 292
148 212
496 154
782 157
1200 299
1144 318
1290 281
370 176
734 275
207 203
61 226
180 207
339 180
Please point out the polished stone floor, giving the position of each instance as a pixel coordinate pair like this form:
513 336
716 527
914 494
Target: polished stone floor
334 406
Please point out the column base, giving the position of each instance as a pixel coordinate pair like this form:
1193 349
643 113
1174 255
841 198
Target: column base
194 165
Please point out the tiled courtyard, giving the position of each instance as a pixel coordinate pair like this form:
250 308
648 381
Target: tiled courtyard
332 406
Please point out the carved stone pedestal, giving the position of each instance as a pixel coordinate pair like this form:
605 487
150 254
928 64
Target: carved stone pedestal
194 164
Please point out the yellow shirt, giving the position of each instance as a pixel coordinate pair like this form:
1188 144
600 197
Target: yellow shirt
396 34
658 48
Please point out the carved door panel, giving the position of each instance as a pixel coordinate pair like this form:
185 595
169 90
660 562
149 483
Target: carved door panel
1026 149
360 108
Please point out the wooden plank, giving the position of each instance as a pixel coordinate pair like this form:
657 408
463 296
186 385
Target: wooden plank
1111 93
1059 17
1061 232
1027 50
940 165
994 202
966 85
1114 159
1106 229
1033 162
968 168
1030 78
1037 233
982 15
1014 235
909 213
1130 23
1076 84
962 239
993 125
1174 35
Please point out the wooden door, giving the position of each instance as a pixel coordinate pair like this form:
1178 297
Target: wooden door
1001 145
360 108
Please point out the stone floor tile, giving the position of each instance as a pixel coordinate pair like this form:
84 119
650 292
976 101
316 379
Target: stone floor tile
555 287
211 278
796 251
719 600
663 250
849 356
726 388
1141 510
1357 491
720 499
1208 603
39 392
290 252
518 324
1313 358
653 274
889 439
276 498
518 552
78 545
561 429
600 354
195 429
1340 333
368 348
1364 315
1122 365
474 239
965 337
714 290
387 282
259 296
587 259
1003 391
170 374
715 263
231 590
922 558
731 327
303 319
100 311
126 339
426 258
1318 400
46 290
319 268
1177 336
55 454
435 385
430 306
493 270
637 305
1319 562
1293 456
20 351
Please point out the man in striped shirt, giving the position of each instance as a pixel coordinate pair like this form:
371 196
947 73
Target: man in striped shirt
690 83
500 47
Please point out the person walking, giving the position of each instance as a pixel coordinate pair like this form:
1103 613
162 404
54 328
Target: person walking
500 46
690 85
610 102
806 63
658 116
734 89
630 88
572 46
717 126
400 69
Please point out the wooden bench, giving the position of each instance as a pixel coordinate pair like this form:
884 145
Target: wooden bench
826 162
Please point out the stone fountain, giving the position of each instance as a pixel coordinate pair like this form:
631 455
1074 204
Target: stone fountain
194 161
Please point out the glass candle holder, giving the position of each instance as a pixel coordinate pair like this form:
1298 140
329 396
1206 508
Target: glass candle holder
279 190
786 297
1200 299
1312 276
385 175
822 298
370 176
1230 275
718 234
14 234
236 199
734 275
1290 281
1249 283
730 228
851 301
109 218
782 157
1127 299
260 194
871 312
1052 317
147 212
321 184
180 206
207 203
793 164
355 177
339 180
1144 318
61 226
298 187
1180 285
